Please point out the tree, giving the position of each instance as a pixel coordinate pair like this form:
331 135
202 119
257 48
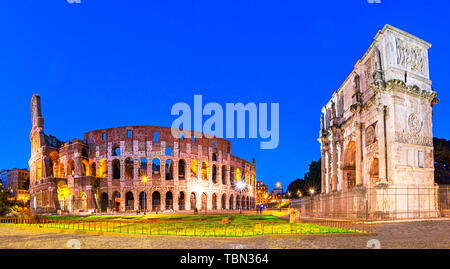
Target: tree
441 161
298 185
5 205
313 177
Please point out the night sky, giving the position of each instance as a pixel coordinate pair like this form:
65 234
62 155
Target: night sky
110 63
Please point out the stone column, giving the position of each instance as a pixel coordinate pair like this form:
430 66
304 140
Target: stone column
323 172
334 167
162 203
382 177
359 157
122 201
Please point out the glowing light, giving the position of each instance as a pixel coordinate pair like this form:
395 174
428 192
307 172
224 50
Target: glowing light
240 185
311 191
144 179
278 184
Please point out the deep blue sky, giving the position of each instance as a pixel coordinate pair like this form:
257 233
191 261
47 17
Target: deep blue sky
109 63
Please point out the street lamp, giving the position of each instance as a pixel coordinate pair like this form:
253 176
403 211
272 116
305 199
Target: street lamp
311 191
240 186
279 186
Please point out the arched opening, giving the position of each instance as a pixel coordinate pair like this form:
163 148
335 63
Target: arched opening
349 168
247 204
214 157
93 169
116 201
224 201
204 201
116 169
70 167
84 205
104 202
115 150
143 201
181 201
143 167
169 169
231 204
129 168
205 171
104 168
238 202
194 169
156 168
224 175
214 174
168 151
214 201
247 178
169 200
84 168
156 201
374 172
193 201
181 169
54 164
238 174
129 201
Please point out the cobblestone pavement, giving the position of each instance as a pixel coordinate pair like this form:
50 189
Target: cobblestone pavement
428 234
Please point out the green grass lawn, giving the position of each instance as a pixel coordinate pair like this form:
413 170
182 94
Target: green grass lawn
188 225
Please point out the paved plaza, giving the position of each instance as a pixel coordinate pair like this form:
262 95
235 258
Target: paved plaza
426 234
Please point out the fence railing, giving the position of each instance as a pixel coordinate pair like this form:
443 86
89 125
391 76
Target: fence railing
378 203
197 229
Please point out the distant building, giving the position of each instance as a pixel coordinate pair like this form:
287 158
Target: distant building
262 193
15 182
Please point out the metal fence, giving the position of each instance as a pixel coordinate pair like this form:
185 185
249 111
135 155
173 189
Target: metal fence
378 203
196 229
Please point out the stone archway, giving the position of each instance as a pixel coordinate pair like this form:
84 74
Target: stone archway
193 201
156 201
374 172
350 165
104 202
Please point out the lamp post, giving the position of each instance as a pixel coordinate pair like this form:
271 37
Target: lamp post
240 186
279 186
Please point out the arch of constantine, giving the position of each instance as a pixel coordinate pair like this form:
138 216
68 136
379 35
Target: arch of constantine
376 134
136 168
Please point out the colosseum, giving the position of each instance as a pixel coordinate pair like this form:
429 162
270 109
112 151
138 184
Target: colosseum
135 169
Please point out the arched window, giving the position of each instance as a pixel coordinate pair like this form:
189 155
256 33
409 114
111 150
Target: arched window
129 168
224 175
238 174
181 169
103 168
169 200
116 169
116 151
194 169
70 168
93 168
168 151
143 167
205 170
214 173
214 157
156 167
169 169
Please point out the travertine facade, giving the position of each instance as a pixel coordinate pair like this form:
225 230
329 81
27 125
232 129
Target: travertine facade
376 131
135 168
